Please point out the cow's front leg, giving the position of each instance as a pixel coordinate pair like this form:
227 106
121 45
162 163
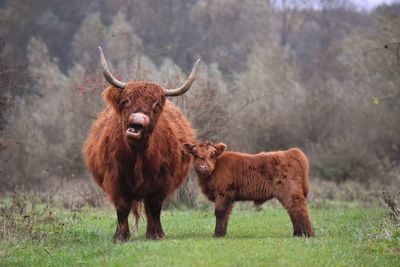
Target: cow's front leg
153 212
223 208
122 233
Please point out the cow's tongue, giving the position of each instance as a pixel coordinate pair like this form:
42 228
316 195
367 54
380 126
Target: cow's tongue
134 131
136 128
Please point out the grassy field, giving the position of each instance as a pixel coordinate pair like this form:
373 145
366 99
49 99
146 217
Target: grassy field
344 237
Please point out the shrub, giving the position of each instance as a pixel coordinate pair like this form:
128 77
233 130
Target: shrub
23 213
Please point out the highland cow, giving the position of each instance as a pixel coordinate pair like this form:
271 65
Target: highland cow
226 177
135 148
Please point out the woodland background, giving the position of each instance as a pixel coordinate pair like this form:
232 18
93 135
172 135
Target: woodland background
322 75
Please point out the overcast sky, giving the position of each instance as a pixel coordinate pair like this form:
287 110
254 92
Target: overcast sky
359 4
373 3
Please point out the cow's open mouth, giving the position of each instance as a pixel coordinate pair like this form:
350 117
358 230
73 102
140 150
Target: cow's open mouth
135 130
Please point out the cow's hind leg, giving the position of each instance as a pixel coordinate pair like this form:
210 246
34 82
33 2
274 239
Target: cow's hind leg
122 233
153 211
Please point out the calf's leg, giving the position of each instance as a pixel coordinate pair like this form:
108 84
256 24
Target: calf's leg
296 205
301 221
223 208
152 208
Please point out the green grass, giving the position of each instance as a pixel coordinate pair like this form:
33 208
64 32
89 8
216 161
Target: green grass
254 239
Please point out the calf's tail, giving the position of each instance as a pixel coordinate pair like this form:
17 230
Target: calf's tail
302 159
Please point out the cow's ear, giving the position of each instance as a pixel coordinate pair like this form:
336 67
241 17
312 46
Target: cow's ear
113 96
188 148
219 149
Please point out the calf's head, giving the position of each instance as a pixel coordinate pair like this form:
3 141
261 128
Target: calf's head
205 156
139 104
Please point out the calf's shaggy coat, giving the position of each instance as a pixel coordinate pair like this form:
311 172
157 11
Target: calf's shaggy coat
226 177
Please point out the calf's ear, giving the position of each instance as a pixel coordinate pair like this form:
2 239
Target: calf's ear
188 148
219 149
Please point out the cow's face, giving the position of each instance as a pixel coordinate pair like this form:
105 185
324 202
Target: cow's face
139 106
205 156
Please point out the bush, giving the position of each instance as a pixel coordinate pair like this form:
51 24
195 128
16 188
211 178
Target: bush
387 238
22 213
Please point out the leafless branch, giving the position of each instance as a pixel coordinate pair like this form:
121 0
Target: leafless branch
397 45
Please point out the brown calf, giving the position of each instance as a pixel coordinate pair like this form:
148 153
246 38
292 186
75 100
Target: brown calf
226 177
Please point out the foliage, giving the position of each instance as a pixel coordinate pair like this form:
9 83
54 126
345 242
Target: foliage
24 214
387 238
273 75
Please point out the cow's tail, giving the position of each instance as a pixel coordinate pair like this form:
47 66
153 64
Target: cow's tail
136 211
302 159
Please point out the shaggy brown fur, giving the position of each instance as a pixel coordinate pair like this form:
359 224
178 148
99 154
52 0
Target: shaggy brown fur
146 169
226 177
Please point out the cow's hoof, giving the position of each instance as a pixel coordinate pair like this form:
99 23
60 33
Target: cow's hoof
218 235
160 234
122 238
155 236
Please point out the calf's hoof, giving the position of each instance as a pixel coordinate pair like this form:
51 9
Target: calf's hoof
304 233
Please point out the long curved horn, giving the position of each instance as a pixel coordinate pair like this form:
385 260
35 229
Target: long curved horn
107 74
186 86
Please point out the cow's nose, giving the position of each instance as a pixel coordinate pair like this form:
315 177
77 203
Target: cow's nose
139 119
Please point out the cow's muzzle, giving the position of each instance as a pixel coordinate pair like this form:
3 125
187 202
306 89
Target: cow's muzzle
137 124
